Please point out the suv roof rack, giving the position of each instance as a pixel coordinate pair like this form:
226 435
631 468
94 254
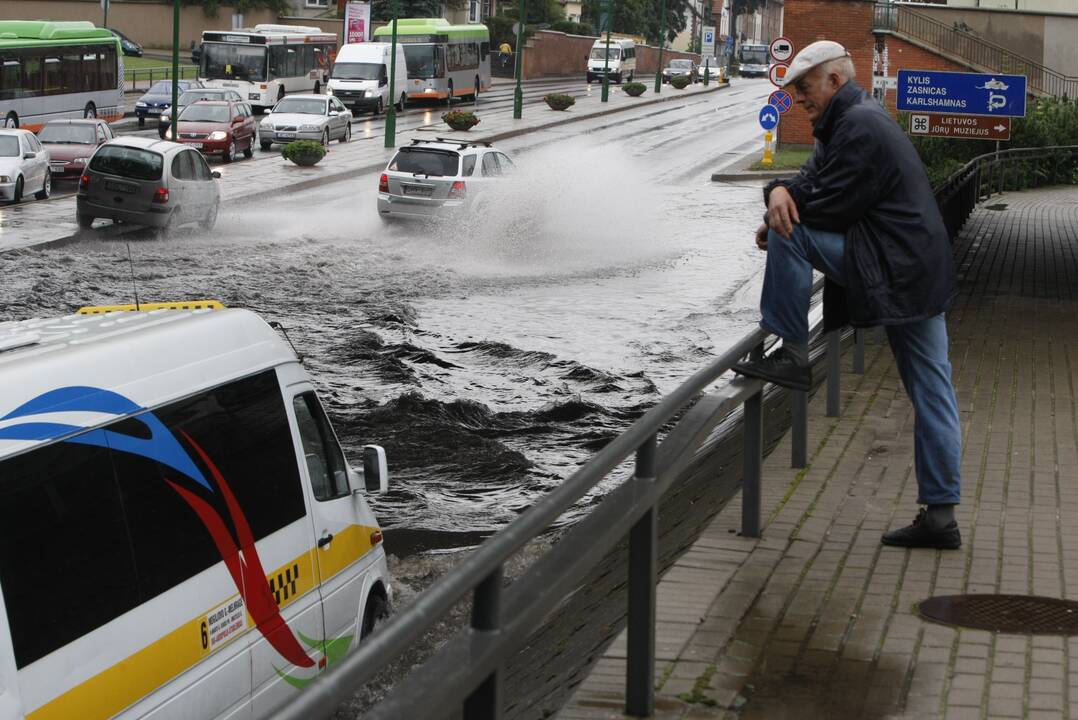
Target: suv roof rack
453 141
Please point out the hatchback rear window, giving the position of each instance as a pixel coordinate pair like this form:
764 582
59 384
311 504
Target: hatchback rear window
129 162
426 161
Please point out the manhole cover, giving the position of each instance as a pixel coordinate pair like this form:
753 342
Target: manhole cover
1026 614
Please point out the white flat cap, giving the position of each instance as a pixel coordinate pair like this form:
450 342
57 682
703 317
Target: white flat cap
810 56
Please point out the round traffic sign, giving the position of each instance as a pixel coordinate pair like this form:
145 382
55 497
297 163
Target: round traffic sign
516 29
777 72
769 117
781 100
782 49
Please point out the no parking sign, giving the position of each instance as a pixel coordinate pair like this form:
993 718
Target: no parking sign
781 100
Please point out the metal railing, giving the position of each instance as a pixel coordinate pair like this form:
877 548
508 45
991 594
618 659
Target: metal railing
465 673
144 78
1015 169
981 53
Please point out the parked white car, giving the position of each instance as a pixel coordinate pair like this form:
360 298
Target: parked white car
24 166
306 117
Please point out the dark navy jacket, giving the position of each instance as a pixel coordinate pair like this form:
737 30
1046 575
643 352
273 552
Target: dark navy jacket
865 180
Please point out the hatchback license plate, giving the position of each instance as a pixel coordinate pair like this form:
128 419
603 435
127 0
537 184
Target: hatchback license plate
57 167
420 190
119 187
286 136
196 146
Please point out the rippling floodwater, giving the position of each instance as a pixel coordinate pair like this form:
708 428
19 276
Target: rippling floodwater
490 358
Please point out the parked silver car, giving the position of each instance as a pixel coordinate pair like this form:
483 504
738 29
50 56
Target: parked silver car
146 181
306 117
24 166
432 178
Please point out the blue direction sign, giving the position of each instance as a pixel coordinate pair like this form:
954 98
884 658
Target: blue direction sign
781 100
962 93
769 117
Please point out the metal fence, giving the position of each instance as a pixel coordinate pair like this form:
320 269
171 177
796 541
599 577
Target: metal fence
141 79
956 41
1015 169
464 675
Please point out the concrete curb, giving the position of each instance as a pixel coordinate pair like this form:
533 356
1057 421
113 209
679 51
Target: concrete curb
352 172
751 175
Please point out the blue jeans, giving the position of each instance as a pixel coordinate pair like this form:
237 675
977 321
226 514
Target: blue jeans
920 349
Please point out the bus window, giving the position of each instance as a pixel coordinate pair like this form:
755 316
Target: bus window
10 79
32 77
91 71
72 73
107 59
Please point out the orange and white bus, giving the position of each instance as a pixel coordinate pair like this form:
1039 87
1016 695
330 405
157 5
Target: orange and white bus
58 70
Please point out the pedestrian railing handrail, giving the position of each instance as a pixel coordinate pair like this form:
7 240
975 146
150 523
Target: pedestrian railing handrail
959 42
465 671
1013 169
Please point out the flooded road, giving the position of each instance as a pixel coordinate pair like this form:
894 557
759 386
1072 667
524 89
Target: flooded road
491 356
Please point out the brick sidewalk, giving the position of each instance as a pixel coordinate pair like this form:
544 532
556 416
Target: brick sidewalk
815 620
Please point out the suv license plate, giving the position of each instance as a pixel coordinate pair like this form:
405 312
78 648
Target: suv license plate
57 167
119 187
419 190
286 136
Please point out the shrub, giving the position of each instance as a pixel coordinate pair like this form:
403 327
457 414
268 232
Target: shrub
634 89
571 28
460 119
680 81
560 101
303 152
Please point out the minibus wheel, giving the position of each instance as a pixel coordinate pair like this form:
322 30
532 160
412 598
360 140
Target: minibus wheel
376 611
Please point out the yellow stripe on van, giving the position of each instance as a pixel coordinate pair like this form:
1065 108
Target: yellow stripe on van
138 675
147 307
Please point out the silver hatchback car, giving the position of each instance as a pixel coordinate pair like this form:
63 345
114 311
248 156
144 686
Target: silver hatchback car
432 178
145 181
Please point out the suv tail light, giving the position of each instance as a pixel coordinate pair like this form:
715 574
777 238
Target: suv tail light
458 190
84 182
160 195
383 183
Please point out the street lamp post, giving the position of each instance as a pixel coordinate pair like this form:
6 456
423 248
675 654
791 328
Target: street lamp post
391 111
662 41
105 7
606 62
175 69
518 70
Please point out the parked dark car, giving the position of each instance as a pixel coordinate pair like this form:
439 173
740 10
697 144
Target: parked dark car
159 97
127 45
191 96
218 128
71 144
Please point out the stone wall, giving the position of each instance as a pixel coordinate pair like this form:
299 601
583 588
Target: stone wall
555 54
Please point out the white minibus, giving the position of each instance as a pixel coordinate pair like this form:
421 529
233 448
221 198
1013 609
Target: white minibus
182 536
622 62
360 76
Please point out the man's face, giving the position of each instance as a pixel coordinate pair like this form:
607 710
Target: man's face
814 90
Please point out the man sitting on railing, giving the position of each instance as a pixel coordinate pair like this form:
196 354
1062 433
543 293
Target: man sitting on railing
861 211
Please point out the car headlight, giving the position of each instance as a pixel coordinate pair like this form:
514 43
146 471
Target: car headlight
218 135
309 128
372 93
81 161
329 91
140 104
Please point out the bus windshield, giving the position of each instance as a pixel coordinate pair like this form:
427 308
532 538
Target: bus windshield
221 61
598 53
753 55
425 61
356 71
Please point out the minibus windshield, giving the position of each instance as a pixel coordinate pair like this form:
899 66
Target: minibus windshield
356 71
597 53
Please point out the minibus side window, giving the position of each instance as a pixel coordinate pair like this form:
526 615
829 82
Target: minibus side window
65 555
325 462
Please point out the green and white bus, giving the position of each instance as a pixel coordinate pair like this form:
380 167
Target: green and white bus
58 70
444 61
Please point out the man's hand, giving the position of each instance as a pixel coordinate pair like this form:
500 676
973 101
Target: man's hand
761 237
782 211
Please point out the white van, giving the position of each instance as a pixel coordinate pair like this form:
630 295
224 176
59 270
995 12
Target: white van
360 76
182 536
622 65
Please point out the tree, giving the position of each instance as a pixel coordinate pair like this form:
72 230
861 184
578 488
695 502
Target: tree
743 7
640 17
383 9
210 7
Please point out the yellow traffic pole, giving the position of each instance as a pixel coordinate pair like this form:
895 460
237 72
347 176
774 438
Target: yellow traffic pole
768 155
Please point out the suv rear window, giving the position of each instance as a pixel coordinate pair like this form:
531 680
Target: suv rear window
129 162
426 161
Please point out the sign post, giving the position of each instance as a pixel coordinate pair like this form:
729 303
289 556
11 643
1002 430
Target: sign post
781 49
357 22
960 127
707 50
769 120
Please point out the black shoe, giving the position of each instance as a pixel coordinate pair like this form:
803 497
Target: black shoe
781 368
920 535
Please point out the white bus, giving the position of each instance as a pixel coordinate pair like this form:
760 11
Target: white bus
265 62
444 61
58 70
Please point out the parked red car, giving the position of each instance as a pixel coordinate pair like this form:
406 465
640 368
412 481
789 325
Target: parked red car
71 143
218 127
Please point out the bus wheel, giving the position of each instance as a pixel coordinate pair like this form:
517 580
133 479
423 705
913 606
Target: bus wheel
378 110
475 93
280 93
449 96
317 88
90 111
400 105
12 120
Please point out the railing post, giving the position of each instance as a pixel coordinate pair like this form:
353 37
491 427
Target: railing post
798 429
643 577
834 373
485 701
859 351
752 464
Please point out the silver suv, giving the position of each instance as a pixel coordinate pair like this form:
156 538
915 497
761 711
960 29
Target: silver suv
146 181
431 178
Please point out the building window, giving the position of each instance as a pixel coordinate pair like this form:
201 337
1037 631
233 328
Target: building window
316 3
473 11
